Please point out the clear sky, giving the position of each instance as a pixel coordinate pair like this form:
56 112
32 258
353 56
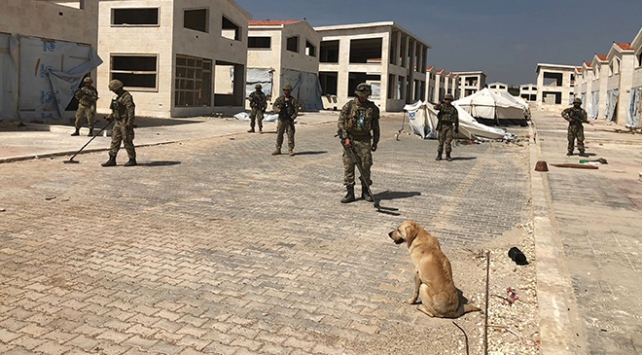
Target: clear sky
504 38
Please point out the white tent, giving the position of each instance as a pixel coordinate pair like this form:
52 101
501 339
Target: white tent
489 105
423 122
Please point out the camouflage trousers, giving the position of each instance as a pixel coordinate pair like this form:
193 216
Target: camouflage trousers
446 133
121 133
256 115
363 152
575 131
282 127
87 113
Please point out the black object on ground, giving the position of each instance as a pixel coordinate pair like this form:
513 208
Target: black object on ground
517 256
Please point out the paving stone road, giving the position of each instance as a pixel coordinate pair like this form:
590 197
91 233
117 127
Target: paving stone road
215 246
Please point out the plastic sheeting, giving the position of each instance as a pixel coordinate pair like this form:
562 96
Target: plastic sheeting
423 121
259 76
306 88
8 75
612 97
633 113
594 107
50 72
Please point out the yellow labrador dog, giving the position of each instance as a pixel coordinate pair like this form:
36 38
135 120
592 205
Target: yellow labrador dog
433 274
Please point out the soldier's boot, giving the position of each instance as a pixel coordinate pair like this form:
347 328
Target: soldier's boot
291 152
276 152
349 197
77 133
364 193
448 157
583 154
260 130
251 130
110 162
438 156
568 154
91 132
131 162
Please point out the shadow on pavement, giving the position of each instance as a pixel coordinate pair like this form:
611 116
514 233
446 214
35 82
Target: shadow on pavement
393 195
312 153
464 158
160 163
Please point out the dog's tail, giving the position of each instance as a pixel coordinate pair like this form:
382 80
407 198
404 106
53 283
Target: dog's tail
465 308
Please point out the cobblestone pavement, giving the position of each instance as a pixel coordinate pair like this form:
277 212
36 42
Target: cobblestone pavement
215 246
599 221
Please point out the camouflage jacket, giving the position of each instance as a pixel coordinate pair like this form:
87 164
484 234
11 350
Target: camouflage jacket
575 115
286 107
447 113
87 96
258 100
123 108
358 119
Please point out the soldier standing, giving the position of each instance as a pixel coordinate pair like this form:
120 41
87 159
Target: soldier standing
87 96
122 110
258 104
287 108
575 116
358 118
447 125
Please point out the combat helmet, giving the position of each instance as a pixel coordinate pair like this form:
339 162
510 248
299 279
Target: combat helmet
87 80
115 85
449 97
363 89
258 86
577 100
287 87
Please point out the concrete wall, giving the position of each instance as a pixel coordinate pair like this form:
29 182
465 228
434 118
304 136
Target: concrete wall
138 40
51 21
566 89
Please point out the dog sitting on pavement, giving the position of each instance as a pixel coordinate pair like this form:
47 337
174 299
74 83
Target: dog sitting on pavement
432 273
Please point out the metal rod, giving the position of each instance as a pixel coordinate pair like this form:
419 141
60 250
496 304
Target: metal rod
486 311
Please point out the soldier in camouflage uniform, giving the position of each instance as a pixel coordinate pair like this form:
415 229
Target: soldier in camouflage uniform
87 96
258 104
575 116
287 108
447 126
122 110
359 117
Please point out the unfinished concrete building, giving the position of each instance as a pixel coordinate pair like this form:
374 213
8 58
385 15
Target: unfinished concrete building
383 54
177 58
528 92
498 87
284 52
440 85
471 82
556 84
430 83
56 41
583 85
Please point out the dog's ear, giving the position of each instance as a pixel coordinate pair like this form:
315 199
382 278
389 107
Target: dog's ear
409 230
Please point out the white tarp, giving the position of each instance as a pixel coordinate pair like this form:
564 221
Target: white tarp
306 88
594 107
8 75
633 113
259 76
612 97
244 116
50 74
423 121
489 105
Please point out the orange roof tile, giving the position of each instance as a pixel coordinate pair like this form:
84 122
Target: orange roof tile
579 69
588 64
440 71
447 73
431 67
625 46
272 22
601 56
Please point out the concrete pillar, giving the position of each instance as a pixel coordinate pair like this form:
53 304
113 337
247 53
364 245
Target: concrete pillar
540 86
398 50
410 81
344 68
627 66
385 68
604 82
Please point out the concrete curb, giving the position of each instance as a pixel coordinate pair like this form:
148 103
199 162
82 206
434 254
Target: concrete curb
556 299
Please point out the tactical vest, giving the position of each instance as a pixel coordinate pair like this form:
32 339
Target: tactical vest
359 120
447 113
